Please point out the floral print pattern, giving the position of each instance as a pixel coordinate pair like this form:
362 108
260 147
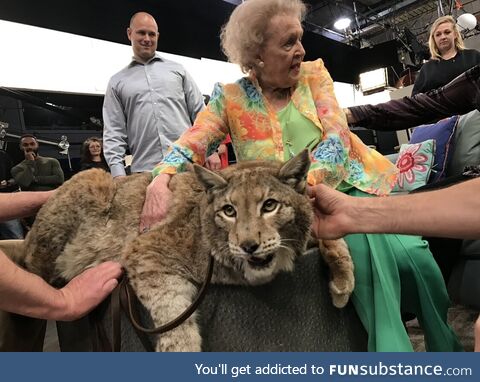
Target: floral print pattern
240 109
413 164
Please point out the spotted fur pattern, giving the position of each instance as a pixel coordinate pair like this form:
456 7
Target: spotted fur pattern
253 218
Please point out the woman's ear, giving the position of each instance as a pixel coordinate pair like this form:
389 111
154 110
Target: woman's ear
259 63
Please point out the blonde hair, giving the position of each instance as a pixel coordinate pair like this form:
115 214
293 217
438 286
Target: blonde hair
245 32
434 52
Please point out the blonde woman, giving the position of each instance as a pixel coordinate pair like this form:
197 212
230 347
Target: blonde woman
449 58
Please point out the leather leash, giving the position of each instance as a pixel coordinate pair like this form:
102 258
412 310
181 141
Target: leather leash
124 297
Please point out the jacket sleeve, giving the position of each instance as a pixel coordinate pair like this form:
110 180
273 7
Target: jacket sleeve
23 173
56 176
459 96
199 141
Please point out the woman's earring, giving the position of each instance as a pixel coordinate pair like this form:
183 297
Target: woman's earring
261 64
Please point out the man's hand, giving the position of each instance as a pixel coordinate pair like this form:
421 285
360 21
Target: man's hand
87 290
213 162
222 149
30 155
157 202
331 212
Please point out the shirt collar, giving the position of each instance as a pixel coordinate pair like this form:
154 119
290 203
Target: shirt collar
154 58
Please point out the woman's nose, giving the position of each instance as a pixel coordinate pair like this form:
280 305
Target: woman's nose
300 49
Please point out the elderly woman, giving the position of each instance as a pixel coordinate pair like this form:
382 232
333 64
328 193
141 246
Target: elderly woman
449 58
282 106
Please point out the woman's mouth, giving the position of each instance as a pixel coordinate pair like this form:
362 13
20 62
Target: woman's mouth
295 68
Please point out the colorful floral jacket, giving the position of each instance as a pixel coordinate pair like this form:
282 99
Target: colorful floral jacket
239 109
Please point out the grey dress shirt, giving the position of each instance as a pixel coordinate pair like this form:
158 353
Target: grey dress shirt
146 108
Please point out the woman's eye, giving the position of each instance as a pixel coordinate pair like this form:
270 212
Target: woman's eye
229 211
269 205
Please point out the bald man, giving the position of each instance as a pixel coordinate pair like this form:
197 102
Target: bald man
148 104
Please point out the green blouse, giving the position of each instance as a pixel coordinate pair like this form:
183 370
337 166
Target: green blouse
298 132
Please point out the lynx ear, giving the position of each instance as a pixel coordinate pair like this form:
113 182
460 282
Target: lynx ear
208 178
294 172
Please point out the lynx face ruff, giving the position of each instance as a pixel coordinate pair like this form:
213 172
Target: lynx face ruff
253 218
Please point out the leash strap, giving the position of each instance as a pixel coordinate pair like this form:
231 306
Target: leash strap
116 319
124 296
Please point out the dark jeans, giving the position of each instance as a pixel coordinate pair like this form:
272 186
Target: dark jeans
11 229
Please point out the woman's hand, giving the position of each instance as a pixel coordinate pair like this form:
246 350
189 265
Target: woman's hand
213 162
331 210
157 202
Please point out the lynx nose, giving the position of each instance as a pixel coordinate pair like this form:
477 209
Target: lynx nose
249 246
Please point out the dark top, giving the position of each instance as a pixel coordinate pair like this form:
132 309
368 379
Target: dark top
86 166
436 73
457 97
41 174
6 165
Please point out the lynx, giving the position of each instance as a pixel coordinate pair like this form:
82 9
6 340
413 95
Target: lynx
253 218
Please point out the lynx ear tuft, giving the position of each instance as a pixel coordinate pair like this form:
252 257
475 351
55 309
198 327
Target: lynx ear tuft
207 178
294 172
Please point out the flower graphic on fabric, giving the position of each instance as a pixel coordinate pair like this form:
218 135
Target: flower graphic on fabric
330 151
216 99
254 98
410 162
356 170
217 92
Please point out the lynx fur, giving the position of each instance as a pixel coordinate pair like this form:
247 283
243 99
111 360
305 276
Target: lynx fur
253 218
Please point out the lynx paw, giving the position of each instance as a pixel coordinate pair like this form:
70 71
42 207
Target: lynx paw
341 290
337 256
185 338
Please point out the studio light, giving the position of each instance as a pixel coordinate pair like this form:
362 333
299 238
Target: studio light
467 21
3 129
342 23
64 145
373 81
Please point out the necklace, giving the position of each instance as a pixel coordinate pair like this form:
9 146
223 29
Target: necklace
286 114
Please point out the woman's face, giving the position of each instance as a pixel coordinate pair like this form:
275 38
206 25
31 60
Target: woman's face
95 148
282 53
444 37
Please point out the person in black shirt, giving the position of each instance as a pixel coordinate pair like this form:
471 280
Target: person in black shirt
10 229
449 56
92 155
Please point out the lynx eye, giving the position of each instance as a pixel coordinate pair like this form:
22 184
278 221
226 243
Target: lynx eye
229 211
269 205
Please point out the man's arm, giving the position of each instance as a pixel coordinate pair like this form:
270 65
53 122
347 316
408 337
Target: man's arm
114 132
27 294
55 177
22 204
459 96
193 97
23 173
448 212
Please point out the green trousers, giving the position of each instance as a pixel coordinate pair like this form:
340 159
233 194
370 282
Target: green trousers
396 274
